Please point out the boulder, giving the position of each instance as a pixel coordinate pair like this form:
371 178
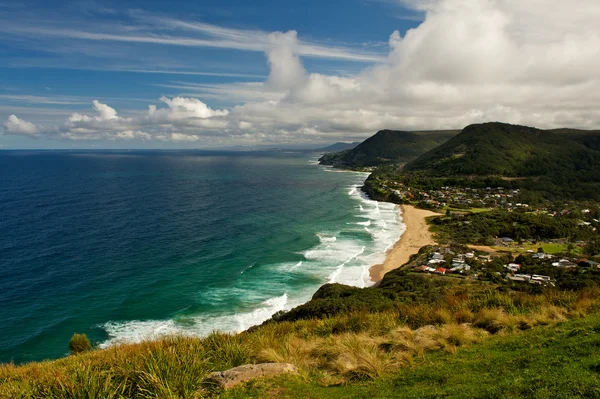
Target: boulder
235 376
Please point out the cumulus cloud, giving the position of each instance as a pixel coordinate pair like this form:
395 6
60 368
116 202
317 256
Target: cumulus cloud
178 137
286 69
535 62
532 62
182 120
181 108
16 126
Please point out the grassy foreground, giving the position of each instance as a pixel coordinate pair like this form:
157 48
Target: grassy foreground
559 361
495 343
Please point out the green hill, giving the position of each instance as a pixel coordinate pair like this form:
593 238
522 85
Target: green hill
562 162
512 151
388 146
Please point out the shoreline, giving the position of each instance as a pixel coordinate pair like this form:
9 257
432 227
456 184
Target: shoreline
415 236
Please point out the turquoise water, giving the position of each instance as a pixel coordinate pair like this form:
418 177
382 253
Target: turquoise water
125 246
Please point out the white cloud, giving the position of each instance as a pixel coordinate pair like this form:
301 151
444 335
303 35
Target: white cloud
181 108
286 69
534 63
16 126
178 137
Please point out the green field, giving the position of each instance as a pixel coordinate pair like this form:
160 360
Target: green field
548 248
551 362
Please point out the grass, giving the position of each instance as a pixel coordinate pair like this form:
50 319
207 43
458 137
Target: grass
345 350
557 361
468 210
552 249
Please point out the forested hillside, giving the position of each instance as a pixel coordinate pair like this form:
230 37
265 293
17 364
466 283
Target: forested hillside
388 146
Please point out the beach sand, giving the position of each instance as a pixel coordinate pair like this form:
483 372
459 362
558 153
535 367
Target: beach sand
417 235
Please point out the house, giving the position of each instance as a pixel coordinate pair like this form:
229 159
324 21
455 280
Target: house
507 240
434 262
591 263
437 256
565 264
539 279
458 263
513 267
421 269
440 270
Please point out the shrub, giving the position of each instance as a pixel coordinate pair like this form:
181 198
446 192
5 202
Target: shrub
490 319
79 343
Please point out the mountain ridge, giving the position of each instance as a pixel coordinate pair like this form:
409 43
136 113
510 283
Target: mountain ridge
388 146
502 149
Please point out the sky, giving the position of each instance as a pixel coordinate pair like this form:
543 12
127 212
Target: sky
210 74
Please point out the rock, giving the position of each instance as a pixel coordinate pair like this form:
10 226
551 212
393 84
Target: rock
235 376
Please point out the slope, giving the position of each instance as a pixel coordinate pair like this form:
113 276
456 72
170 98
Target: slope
558 164
388 146
513 151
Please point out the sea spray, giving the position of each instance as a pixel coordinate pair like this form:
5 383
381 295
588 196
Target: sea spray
343 255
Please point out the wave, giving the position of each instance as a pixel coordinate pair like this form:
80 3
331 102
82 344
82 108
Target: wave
343 256
333 276
137 331
326 238
296 266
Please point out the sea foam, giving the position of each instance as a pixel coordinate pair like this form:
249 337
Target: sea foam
341 256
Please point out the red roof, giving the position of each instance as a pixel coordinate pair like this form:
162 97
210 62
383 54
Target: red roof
440 270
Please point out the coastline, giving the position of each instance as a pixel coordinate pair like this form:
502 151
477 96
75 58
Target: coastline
417 235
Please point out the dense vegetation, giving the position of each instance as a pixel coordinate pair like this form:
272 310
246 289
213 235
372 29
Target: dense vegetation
512 150
560 163
388 146
482 228
397 286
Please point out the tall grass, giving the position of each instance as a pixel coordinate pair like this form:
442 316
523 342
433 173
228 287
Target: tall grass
333 350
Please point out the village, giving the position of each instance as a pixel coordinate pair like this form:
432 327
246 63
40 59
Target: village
524 268
461 197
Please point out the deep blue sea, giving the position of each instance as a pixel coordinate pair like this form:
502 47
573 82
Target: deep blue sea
125 246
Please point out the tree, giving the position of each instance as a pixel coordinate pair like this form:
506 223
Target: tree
79 343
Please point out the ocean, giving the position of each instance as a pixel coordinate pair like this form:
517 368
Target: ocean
131 245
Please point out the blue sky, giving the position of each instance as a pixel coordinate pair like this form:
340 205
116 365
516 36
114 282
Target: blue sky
48 71
203 74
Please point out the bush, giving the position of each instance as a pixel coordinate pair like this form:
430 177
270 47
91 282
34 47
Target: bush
79 343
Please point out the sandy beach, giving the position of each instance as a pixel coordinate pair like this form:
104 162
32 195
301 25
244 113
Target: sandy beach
417 235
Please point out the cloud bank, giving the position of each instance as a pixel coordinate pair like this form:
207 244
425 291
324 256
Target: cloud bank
534 63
